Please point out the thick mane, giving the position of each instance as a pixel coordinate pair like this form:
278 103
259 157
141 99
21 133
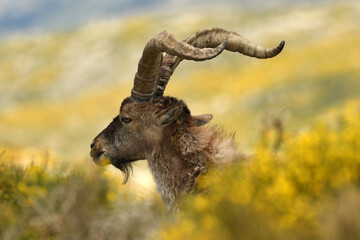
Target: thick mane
220 147
186 151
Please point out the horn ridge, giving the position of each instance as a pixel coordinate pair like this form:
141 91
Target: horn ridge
212 37
147 76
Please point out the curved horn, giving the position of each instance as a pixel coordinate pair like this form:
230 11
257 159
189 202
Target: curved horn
147 75
210 38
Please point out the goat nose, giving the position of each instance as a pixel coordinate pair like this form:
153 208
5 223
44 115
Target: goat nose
92 144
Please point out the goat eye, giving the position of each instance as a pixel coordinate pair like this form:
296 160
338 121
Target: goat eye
126 119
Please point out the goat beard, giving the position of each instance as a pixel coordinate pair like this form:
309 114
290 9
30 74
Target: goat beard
124 167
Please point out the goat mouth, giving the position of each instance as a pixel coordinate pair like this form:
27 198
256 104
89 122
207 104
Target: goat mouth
96 154
99 158
102 161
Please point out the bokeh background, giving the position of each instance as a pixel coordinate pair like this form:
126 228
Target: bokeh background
65 67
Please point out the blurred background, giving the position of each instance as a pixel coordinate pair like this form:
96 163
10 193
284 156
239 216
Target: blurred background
66 66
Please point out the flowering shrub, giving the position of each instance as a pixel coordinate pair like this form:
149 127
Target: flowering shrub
294 187
38 202
309 189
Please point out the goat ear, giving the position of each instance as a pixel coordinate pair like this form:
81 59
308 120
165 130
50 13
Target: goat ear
201 120
169 115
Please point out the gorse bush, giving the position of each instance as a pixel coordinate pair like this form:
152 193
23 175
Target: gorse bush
304 186
307 190
38 202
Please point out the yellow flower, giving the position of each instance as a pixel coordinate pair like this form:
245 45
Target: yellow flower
111 196
201 203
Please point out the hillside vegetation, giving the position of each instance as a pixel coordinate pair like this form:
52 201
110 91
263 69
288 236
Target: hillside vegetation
59 90
307 189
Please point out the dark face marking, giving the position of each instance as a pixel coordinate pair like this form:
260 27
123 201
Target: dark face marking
138 128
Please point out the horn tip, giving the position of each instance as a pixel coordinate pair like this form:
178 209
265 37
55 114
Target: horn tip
281 45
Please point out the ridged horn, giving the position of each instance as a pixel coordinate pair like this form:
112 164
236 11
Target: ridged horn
210 38
147 75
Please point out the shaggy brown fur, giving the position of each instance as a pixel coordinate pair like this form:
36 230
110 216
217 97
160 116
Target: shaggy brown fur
163 131
184 154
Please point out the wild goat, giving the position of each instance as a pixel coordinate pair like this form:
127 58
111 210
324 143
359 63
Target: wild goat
177 145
